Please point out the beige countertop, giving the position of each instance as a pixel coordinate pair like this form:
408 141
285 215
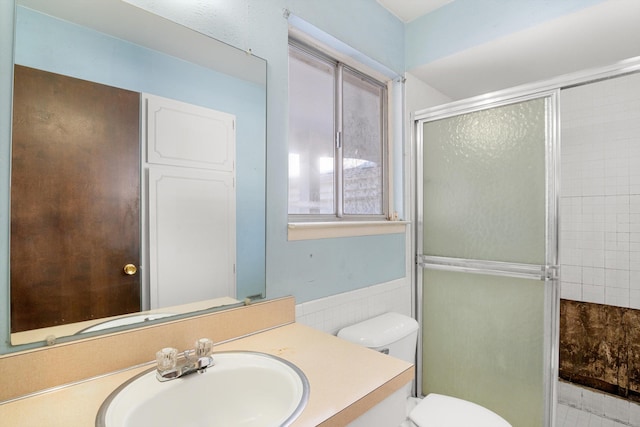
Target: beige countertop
345 381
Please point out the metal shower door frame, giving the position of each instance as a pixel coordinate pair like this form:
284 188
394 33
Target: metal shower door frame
547 273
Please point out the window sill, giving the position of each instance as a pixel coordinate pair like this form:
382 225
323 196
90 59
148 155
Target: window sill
330 230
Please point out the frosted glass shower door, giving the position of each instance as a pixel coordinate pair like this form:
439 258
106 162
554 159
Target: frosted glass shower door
486 257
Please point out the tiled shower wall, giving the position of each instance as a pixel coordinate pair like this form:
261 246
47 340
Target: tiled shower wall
600 192
600 205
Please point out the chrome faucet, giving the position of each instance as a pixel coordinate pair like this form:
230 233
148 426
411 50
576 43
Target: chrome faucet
171 366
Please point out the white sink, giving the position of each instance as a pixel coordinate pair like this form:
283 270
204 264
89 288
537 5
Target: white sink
246 389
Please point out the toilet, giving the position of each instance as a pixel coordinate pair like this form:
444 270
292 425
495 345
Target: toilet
396 335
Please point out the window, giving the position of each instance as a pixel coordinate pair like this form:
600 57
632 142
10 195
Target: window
337 139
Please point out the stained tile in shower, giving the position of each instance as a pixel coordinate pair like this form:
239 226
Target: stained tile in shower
600 347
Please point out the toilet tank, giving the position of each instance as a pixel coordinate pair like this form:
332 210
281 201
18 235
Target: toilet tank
391 333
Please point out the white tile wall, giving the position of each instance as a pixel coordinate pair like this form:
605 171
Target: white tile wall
582 407
600 192
600 222
568 416
333 313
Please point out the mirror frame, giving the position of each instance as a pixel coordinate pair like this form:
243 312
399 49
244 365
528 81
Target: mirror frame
6 80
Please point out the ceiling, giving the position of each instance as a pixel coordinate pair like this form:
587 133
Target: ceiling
408 10
595 36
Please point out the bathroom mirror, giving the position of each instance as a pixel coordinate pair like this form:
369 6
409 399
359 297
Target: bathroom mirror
111 43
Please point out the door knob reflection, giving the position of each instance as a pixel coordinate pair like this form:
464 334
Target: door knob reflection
130 269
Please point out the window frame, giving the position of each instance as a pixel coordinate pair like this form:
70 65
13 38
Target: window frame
340 63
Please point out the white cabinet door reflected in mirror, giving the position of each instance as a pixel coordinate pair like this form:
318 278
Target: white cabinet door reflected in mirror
191 202
182 134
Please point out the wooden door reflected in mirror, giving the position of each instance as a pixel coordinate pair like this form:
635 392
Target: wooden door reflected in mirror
71 234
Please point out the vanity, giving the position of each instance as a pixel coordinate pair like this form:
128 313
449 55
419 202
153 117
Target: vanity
66 384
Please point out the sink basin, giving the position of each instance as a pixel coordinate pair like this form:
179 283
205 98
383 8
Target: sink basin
242 389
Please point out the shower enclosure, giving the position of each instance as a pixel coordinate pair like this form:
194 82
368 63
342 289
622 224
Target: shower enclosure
487 202
487 252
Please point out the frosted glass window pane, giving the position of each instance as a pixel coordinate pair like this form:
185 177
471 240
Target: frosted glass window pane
362 145
311 135
484 184
483 342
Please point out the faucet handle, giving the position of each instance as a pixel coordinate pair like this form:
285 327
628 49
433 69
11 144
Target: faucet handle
167 358
204 347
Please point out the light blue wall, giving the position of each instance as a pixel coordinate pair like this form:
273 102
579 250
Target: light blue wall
314 269
305 269
463 24
308 269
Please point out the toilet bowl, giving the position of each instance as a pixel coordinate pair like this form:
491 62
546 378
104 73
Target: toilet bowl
396 335
437 410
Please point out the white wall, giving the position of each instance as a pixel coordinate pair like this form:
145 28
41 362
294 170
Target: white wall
419 95
600 193
600 213
333 313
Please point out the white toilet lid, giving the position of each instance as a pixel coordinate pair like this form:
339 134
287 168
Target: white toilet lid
437 410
